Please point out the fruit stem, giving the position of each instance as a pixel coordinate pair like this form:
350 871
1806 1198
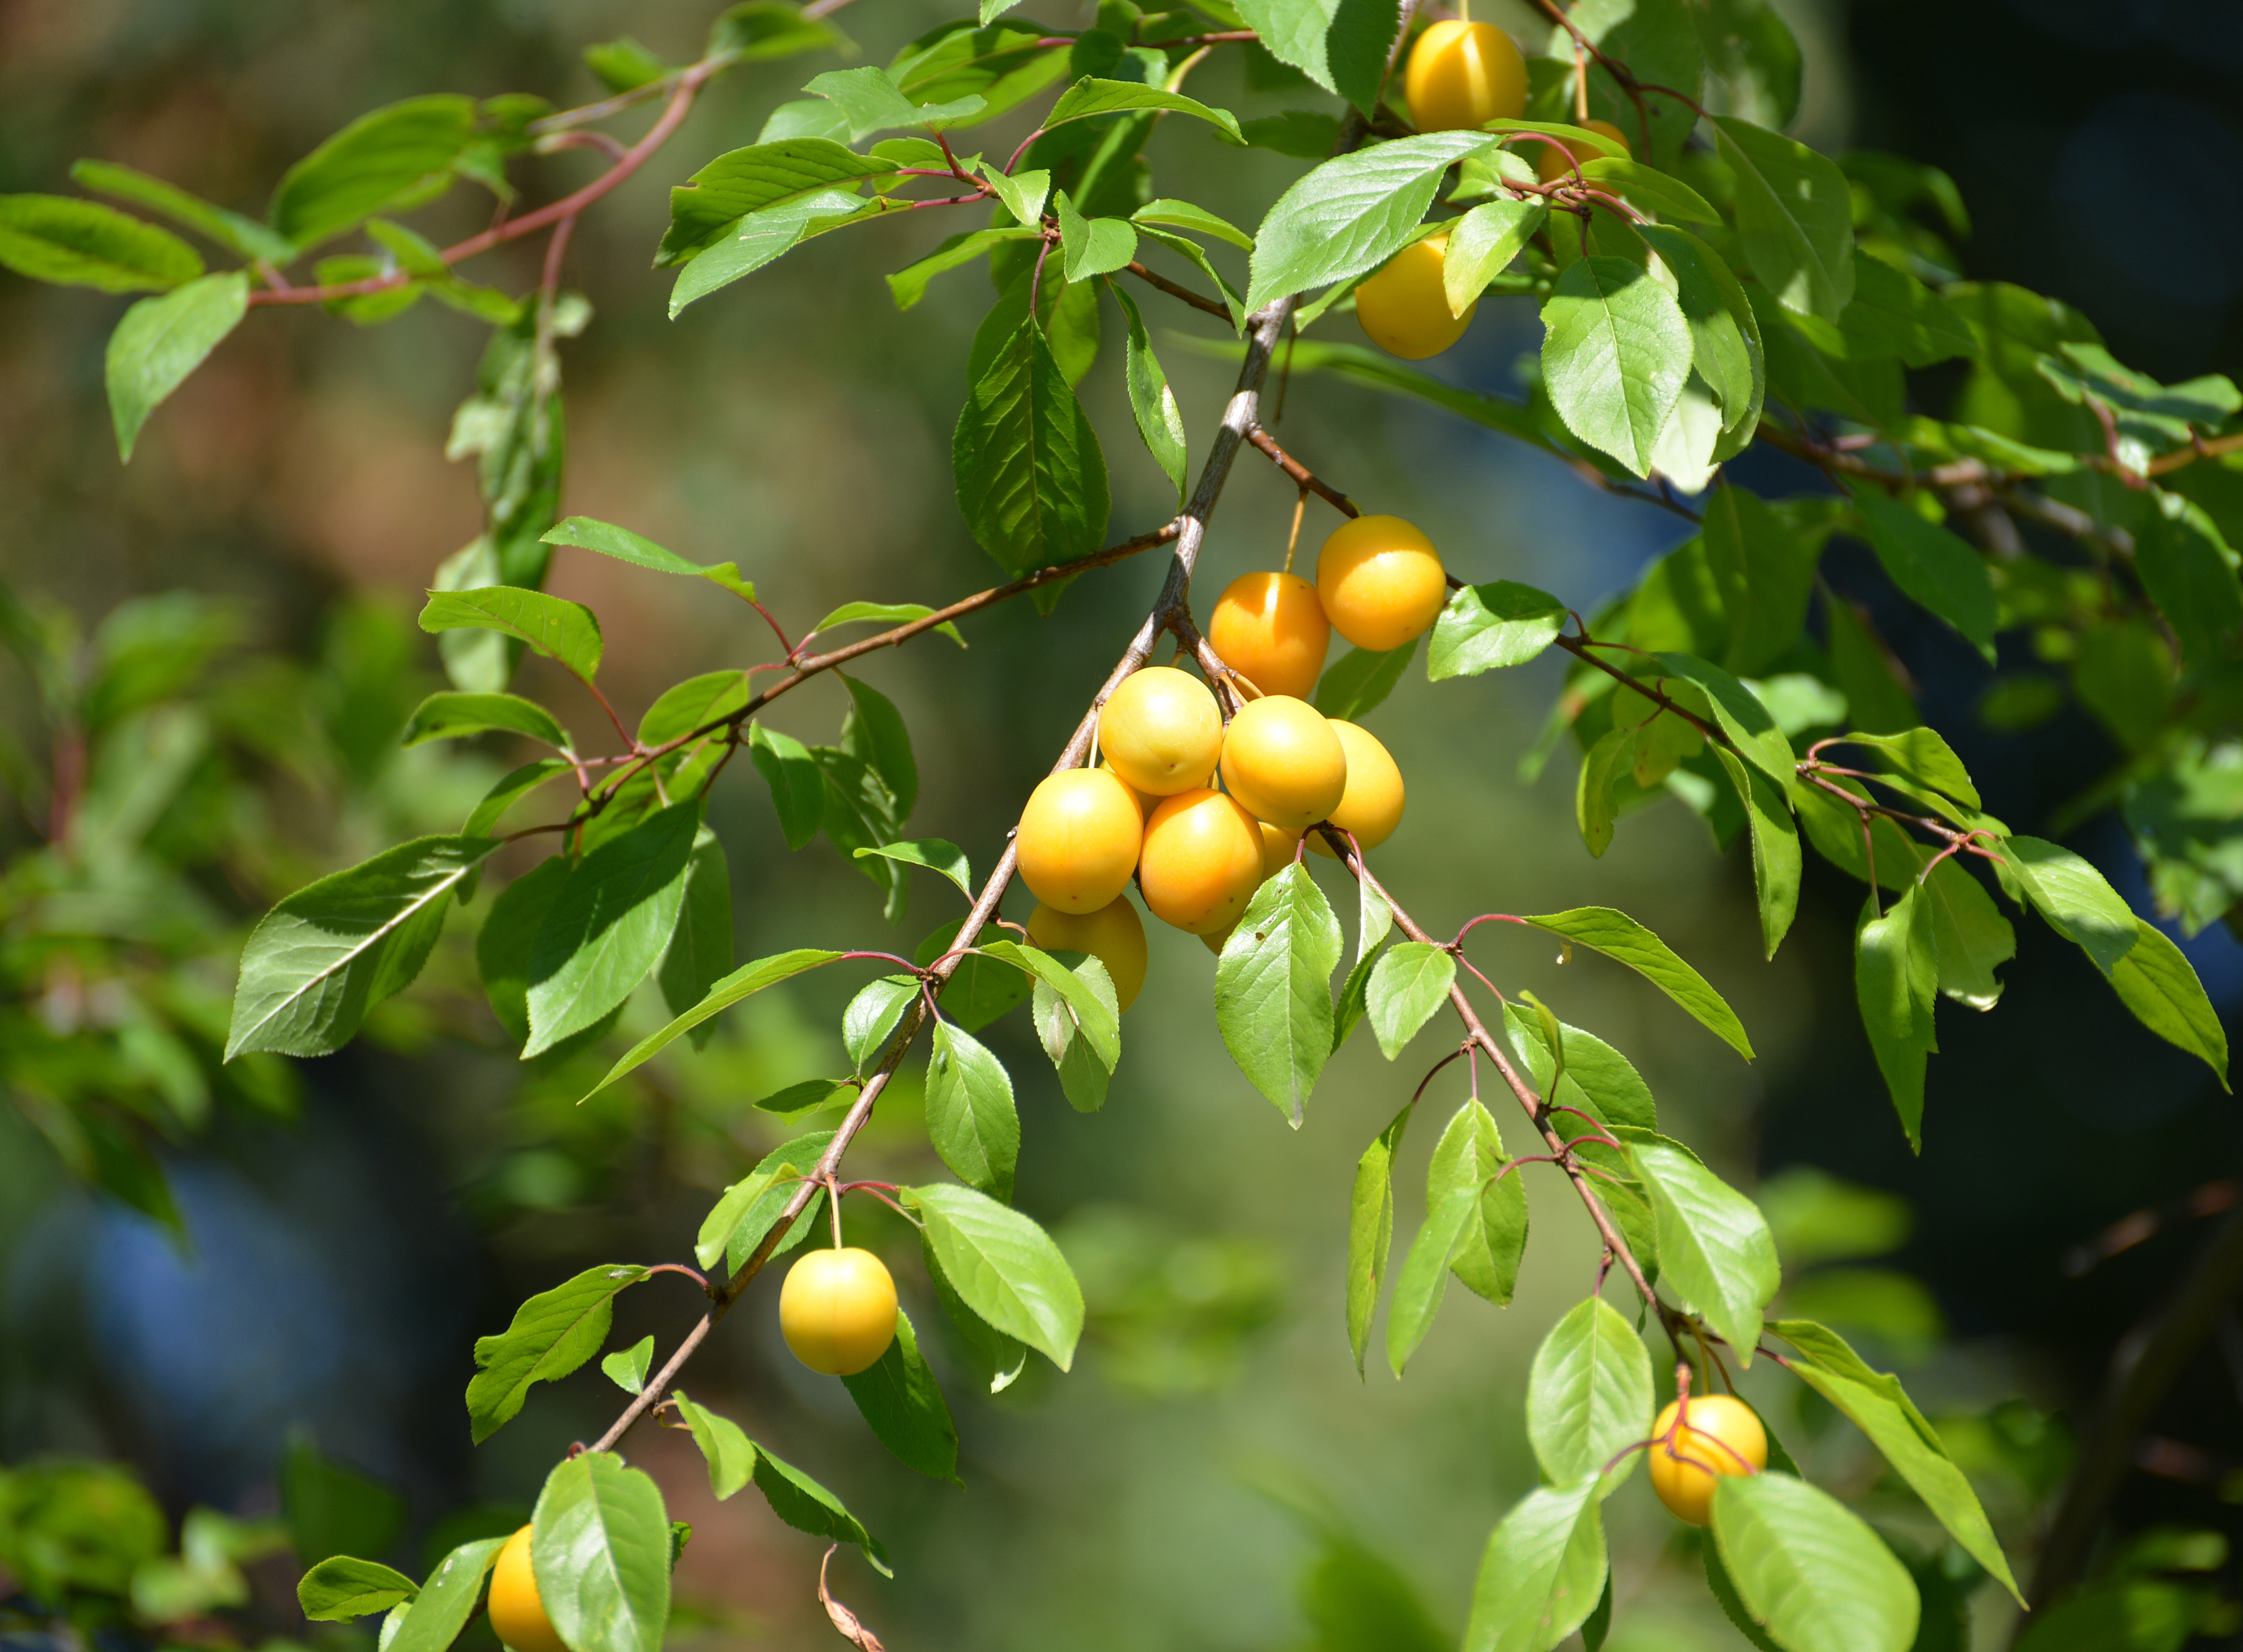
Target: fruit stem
834 1204
1293 539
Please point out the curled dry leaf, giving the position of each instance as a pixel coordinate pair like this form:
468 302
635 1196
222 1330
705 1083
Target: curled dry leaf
843 1619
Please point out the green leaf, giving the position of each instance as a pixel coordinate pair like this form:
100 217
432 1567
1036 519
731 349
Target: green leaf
1093 1012
626 1367
1023 194
798 1102
1713 1244
761 30
737 1222
510 791
244 236
78 243
1615 356
747 244
161 340
870 100
797 786
1090 96
1896 982
1409 984
332 1510
1352 213
396 157
1031 478
1310 134
1360 682
509 940
1152 403
2156 980
1353 995
588 534
1874 1402
569 632
1184 248
1486 1254
1742 716
1004 1267
436 1617
1542 1573
707 208
687 708
901 1402
1893 313
1340 44
934 854
1932 567
1485 627
326 954
1589 1396
1083 1071
1809 1570
872 1015
1092 247
808 1507
1765 570
599 1546
2187 568
610 924
1647 189
1273 989
1596 802
1777 864
1425 1276
971 1117
909 285
551 1334
885 614
724 1447
1482 244
1923 756
700 950
339 1589
1795 215
2078 902
1618 936
451 716
1370 1231
1184 215
1598 1079
747 979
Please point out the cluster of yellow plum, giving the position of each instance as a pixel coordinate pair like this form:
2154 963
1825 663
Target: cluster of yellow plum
1152 809
1461 75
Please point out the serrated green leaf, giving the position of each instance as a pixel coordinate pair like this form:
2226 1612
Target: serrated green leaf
1896 982
1425 1276
394 157
1004 1267
599 1547
736 1225
1714 1246
434 1618
2188 568
1615 356
339 1589
1092 247
1360 681
909 285
551 1335
569 632
1777 863
1620 937
1152 403
1370 1231
2078 901
1030 475
1340 44
1273 989
510 791
700 950
2156 980
1485 627
1598 1079
1407 988
1932 567
1893 313
453 716
808 1507
885 614
79 243
1483 244
1795 215
1486 1253
1090 96
1589 1396
319 960
797 786
1093 1012
589 534
1648 189
1177 215
161 340
871 101
1596 802
708 208
899 1399
724 1447
245 236
1742 716
748 979
1184 247
1809 1570
610 924
971 1117
1542 1573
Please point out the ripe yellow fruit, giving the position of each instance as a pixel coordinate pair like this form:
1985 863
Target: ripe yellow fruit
1552 163
1372 806
518 1613
1161 732
838 1311
1723 1439
1114 935
1282 761
1404 308
1144 804
1462 75
1381 581
1078 839
1271 629
1202 861
1277 846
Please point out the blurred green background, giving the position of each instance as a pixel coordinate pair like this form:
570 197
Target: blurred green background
1213 1475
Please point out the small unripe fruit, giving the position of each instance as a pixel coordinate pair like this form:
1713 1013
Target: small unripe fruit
1464 74
1271 630
838 1311
1282 761
1078 839
1404 307
1202 861
1114 935
518 1613
1161 732
1552 163
1381 583
1372 806
1722 1439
